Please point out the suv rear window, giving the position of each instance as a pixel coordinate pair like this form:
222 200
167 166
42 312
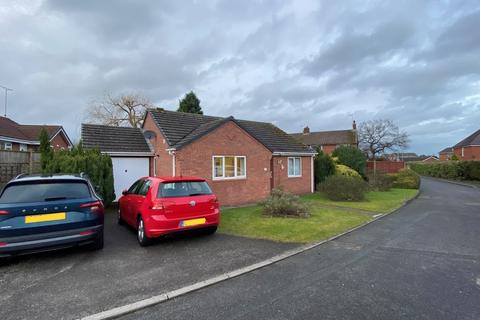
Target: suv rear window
45 191
183 189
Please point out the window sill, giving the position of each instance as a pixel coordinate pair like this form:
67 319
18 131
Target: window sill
229 179
294 176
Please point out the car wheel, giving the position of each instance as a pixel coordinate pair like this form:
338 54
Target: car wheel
119 218
142 238
98 244
210 230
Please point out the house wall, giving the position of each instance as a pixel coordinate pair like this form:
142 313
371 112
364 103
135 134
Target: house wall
195 159
329 148
297 185
469 153
59 142
445 156
162 159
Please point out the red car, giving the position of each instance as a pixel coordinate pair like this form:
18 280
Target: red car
156 206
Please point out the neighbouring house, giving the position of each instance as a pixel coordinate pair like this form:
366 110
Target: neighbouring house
242 160
430 159
405 157
22 137
446 154
130 151
328 141
468 148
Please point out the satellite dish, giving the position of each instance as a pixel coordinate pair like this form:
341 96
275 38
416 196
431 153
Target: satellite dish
149 134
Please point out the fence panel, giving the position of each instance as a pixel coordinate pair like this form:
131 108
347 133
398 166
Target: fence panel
13 163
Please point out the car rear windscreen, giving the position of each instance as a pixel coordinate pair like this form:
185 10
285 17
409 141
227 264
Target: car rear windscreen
44 191
183 189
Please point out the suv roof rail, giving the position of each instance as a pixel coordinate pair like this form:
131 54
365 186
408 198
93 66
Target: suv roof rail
19 176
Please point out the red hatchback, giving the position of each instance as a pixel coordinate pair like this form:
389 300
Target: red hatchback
156 206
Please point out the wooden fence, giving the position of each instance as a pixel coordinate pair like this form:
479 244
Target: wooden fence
13 163
386 166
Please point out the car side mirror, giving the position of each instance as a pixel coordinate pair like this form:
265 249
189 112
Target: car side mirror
124 192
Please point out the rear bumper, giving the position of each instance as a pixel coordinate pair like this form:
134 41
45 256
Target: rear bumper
49 241
158 225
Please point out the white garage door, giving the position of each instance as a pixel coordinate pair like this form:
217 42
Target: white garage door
126 171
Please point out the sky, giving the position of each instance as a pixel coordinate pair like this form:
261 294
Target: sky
292 63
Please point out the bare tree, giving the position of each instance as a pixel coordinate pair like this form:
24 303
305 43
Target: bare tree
124 110
377 136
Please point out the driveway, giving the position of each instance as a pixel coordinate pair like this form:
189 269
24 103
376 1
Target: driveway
73 283
421 263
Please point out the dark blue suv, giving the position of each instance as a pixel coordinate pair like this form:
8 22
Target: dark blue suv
40 213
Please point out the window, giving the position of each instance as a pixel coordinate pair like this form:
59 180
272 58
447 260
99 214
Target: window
229 167
8 146
183 189
294 167
133 189
45 191
463 152
144 188
23 147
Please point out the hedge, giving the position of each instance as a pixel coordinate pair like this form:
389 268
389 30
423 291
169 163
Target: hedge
406 179
343 170
344 188
459 170
351 157
324 166
97 166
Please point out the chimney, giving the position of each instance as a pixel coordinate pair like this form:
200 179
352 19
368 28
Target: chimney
354 125
306 130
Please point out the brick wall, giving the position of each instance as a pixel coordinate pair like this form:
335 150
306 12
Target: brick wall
469 153
163 161
329 148
229 140
59 142
298 185
386 166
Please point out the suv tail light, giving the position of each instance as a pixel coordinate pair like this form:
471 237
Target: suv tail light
4 212
95 207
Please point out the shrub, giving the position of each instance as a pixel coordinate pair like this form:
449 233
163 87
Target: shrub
460 170
324 166
342 170
281 203
380 181
97 166
344 188
406 179
455 157
351 157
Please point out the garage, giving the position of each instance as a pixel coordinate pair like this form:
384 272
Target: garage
130 151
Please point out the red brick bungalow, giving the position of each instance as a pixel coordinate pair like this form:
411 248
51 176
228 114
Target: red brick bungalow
242 160
21 137
468 148
446 154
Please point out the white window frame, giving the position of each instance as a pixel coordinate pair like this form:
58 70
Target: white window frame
8 146
235 177
23 147
463 152
299 166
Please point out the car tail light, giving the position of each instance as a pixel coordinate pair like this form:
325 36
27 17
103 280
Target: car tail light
4 212
3 244
157 206
95 207
87 233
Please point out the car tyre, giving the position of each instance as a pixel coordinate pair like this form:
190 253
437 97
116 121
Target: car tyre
119 218
98 244
210 230
142 238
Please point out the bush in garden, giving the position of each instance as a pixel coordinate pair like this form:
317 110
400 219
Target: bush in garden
343 170
344 188
324 166
284 204
459 170
406 179
351 157
380 181
97 166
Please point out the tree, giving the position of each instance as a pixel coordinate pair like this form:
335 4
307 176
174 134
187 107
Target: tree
324 166
125 110
352 157
377 136
190 104
45 148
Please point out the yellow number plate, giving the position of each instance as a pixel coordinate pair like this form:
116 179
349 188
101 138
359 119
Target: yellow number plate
45 217
193 222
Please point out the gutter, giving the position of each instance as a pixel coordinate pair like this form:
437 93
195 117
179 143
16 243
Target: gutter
129 154
305 154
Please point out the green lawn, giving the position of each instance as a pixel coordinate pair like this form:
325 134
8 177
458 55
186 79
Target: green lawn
323 223
375 201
